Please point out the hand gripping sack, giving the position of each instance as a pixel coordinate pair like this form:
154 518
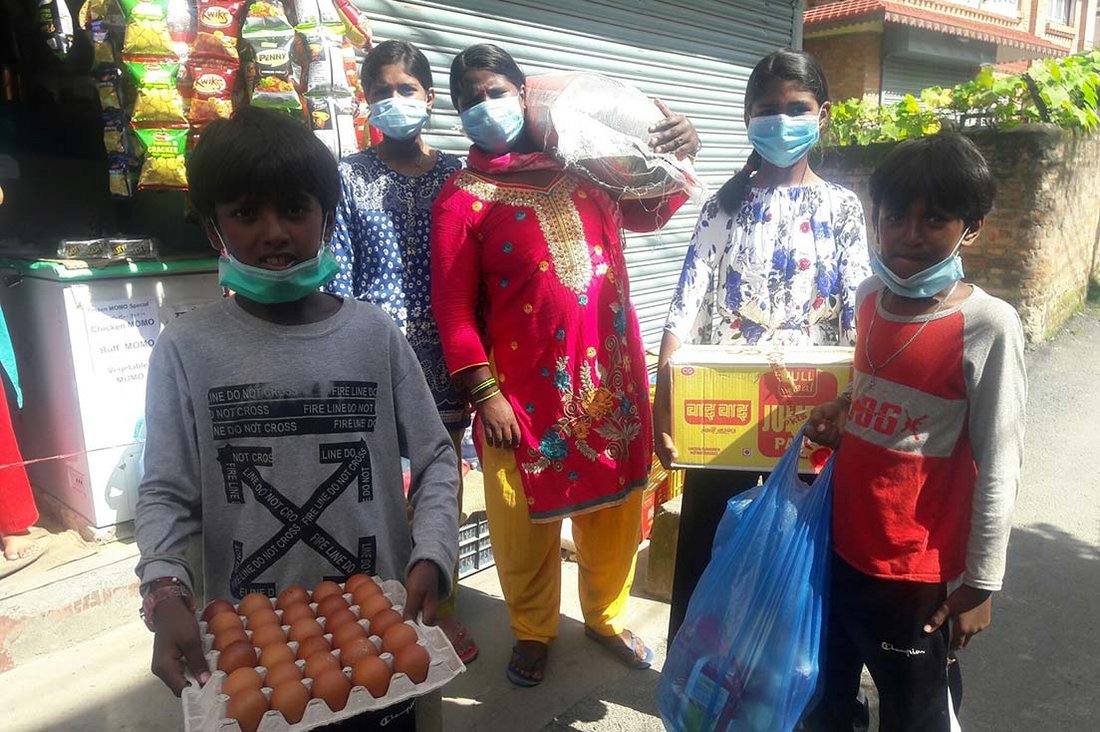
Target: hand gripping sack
747 656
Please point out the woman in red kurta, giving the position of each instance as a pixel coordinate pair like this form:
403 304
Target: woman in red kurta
529 288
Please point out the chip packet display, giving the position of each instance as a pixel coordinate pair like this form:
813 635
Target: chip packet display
212 85
326 74
116 136
265 16
356 27
218 24
158 101
147 28
108 84
120 176
56 23
104 52
333 123
165 166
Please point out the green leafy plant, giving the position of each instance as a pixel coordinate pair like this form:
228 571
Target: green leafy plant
1060 91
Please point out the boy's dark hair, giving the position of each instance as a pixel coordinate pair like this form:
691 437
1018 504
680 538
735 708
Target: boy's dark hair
484 56
264 153
947 170
784 65
401 53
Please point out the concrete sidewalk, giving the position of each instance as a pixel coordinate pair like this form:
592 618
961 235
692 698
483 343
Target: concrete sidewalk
105 683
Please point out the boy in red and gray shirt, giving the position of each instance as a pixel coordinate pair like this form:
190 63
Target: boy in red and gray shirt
930 440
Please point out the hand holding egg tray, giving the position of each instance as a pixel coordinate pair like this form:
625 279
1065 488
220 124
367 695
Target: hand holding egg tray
205 709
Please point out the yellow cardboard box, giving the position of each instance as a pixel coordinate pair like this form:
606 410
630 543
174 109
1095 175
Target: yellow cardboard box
739 407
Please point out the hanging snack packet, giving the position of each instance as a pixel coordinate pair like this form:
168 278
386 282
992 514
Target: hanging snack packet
332 122
265 16
218 25
116 136
147 28
120 177
158 100
274 66
103 48
56 24
165 165
109 86
313 13
326 75
356 26
212 85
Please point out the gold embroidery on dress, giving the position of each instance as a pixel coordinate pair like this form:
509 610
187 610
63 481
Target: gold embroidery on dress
558 217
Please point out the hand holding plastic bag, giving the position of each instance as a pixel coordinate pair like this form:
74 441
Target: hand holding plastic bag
747 656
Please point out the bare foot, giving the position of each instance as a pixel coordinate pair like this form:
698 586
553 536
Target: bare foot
459 636
19 546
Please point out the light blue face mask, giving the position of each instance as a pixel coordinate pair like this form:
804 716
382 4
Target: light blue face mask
274 286
399 118
783 140
495 124
925 283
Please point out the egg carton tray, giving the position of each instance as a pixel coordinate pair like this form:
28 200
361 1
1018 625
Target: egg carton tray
204 708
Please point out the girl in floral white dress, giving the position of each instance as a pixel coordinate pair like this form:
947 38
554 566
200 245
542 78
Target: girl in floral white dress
776 258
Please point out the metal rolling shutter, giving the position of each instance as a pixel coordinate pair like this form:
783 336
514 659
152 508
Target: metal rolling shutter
696 55
901 76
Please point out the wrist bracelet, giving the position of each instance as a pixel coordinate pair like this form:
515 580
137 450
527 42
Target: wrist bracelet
173 588
487 397
483 386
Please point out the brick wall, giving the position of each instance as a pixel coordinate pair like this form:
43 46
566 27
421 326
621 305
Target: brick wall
852 63
1038 250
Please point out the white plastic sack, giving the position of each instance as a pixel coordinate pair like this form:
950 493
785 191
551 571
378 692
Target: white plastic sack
600 127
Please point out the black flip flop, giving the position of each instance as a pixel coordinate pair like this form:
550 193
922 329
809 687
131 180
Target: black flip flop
533 665
627 654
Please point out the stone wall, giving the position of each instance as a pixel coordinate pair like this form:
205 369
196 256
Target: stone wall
1039 248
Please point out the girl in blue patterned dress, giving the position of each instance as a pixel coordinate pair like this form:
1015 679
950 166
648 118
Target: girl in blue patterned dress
383 232
776 258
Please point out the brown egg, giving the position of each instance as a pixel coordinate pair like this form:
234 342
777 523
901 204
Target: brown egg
243 678
237 655
265 635
292 596
225 639
339 618
413 661
398 637
347 633
355 580
224 621
333 687
383 621
214 607
318 662
324 589
331 604
261 617
254 601
247 707
275 654
355 650
294 613
304 628
313 644
282 672
373 674
289 699
373 606
365 591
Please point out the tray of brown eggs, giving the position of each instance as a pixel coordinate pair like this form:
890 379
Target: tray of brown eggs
311 658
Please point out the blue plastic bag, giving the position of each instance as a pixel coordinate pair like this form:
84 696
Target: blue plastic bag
746 658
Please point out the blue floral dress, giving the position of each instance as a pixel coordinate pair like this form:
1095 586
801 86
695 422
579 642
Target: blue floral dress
783 270
383 244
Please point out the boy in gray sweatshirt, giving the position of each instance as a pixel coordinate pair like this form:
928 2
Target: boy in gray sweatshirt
277 418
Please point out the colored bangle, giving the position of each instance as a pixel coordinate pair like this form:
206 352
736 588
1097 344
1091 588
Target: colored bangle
484 386
487 397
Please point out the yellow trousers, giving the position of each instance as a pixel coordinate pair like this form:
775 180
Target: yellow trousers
528 555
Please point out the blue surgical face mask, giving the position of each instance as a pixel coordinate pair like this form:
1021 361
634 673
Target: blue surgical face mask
273 286
399 118
783 140
925 283
495 124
